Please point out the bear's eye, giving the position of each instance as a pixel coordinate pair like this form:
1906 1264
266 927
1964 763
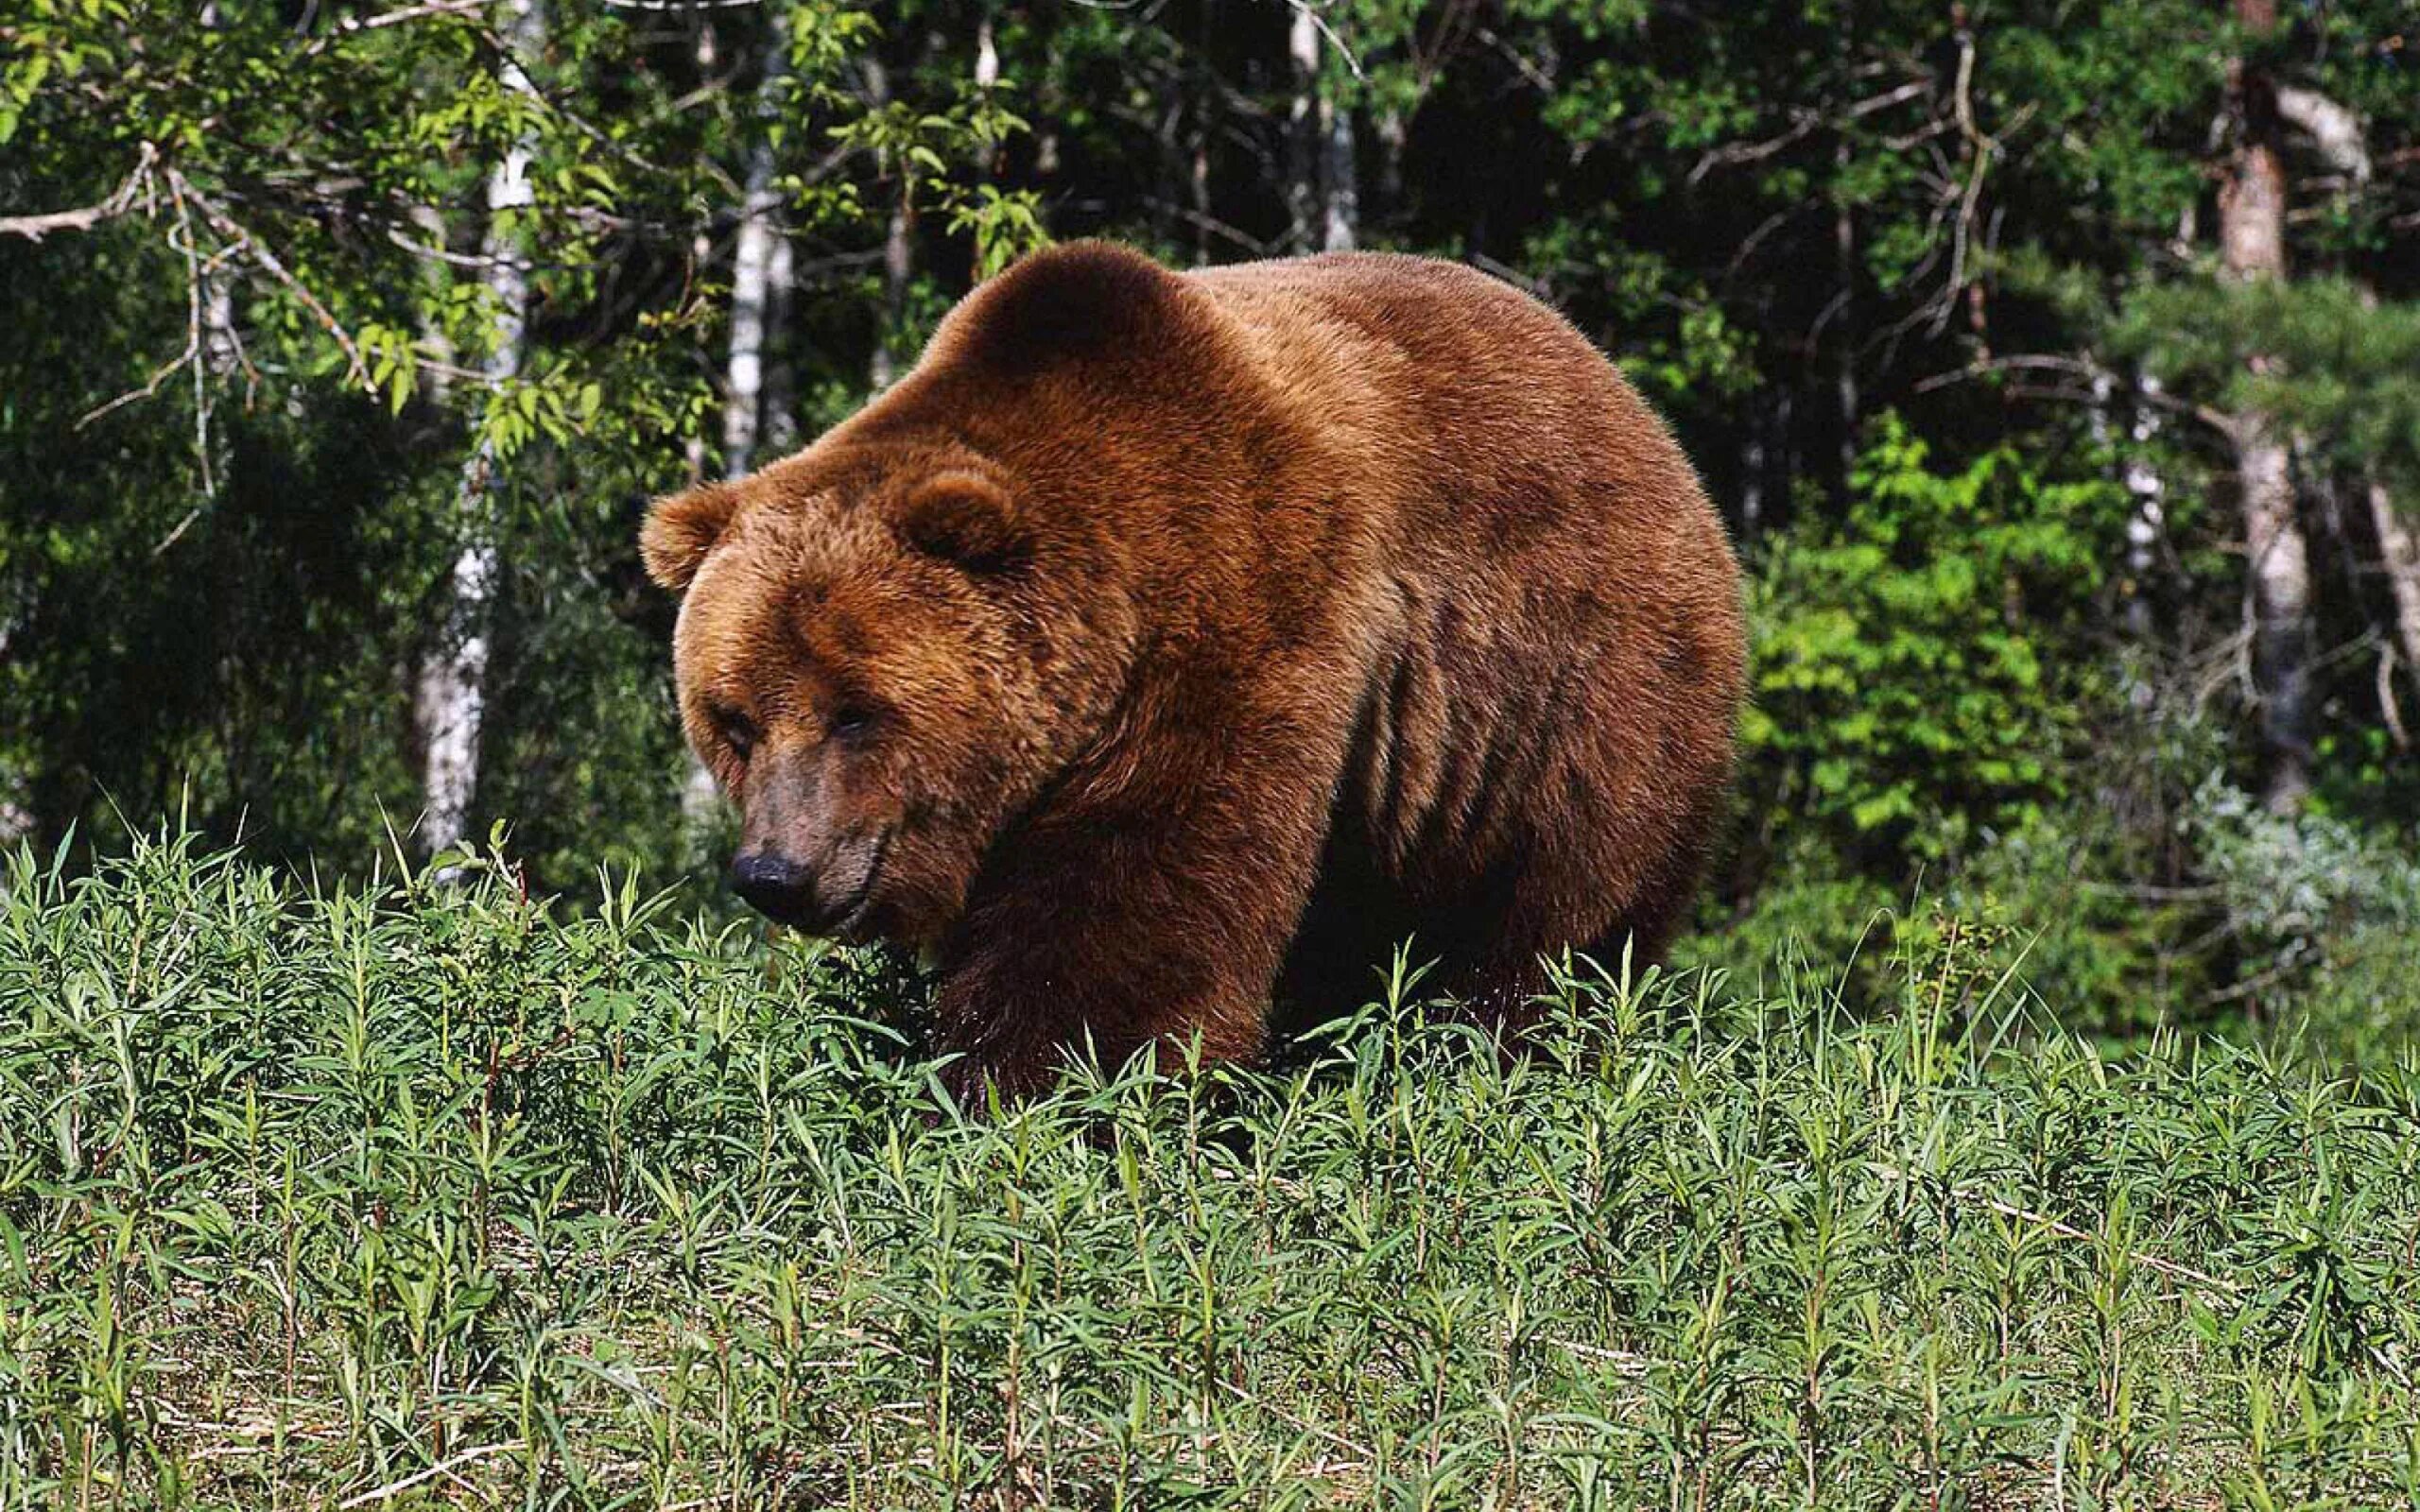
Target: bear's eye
737 729
849 720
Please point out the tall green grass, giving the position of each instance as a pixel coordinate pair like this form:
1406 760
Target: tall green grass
411 1197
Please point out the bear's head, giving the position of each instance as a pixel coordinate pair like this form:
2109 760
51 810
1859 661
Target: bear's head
873 659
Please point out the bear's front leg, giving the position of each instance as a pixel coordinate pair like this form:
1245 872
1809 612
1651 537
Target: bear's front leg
1119 930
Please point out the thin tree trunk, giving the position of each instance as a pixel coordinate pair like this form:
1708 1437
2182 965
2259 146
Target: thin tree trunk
779 435
452 697
2142 483
2252 237
1752 467
987 53
1303 128
2148 522
2399 553
2342 140
1327 182
1325 196
1394 135
898 251
752 259
1203 98
1339 184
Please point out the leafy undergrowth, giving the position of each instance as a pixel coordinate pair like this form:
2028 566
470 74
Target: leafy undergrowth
415 1196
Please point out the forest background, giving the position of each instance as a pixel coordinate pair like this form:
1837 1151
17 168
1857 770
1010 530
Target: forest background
2055 365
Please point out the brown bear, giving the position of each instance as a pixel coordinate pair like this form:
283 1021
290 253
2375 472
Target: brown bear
1166 648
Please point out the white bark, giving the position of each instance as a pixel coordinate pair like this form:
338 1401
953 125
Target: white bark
2149 522
898 252
752 260
1302 127
2340 138
452 697
2399 553
780 434
218 354
1324 195
2252 244
2279 562
1339 189
2334 130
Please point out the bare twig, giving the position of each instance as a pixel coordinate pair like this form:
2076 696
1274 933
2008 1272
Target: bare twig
1805 124
196 346
444 1467
2077 367
121 201
1538 77
144 390
2386 697
1311 11
396 18
253 247
2335 131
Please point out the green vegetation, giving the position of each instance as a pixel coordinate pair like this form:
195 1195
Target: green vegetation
2052 363
2033 1120
406 1195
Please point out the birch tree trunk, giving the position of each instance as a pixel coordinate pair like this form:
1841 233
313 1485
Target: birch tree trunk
1302 129
1340 183
754 260
2143 484
2148 522
2252 238
1844 384
2343 141
1324 195
898 251
779 436
2399 553
451 702
1201 107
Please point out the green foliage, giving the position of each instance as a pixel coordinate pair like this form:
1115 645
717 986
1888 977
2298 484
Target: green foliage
1903 276
308 1194
2323 354
1901 692
2325 917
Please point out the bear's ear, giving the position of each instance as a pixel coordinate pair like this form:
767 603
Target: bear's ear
964 520
681 529
1073 302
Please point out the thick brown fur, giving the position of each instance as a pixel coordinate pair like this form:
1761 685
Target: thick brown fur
1166 647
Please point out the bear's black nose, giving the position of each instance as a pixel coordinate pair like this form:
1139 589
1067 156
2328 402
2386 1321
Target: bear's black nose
774 885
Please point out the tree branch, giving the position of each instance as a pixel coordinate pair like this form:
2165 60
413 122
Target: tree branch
121 201
252 247
2335 131
2079 366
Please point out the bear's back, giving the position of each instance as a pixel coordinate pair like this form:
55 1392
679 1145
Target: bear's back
1494 424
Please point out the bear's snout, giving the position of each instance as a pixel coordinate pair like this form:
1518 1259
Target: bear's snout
773 886
830 895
